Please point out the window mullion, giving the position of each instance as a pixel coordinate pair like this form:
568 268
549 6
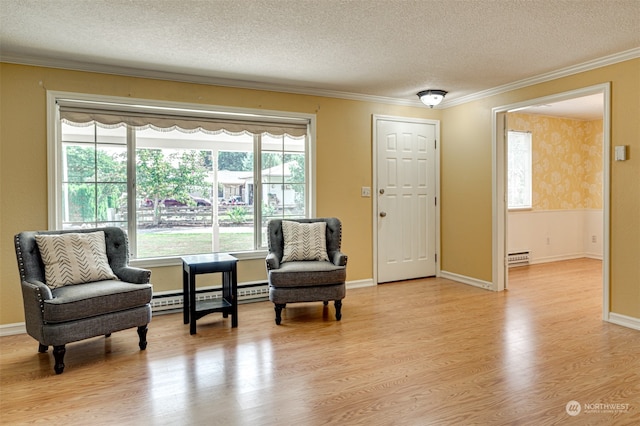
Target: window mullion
257 191
132 219
95 175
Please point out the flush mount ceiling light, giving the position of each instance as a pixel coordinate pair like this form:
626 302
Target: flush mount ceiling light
430 97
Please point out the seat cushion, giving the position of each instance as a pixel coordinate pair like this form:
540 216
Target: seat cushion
307 273
80 301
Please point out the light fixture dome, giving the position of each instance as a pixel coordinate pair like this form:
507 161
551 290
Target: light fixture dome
431 97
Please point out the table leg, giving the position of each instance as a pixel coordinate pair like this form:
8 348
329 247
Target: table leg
226 291
185 295
234 295
192 303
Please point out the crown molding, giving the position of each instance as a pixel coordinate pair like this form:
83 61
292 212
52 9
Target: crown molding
542 78
198 79
254 85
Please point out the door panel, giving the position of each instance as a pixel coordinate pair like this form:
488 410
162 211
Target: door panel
405 199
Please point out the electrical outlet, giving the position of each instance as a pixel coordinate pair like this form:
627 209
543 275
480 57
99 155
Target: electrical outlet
548 240
594 239
366 191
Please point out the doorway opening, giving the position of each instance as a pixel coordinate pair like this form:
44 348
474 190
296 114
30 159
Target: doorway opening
569 215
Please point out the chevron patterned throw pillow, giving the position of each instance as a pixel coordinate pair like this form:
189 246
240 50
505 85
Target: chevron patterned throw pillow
304 241
74 258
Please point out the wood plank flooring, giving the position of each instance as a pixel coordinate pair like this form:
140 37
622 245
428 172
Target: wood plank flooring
421 352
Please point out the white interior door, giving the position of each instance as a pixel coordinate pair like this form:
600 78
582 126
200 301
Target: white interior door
406 199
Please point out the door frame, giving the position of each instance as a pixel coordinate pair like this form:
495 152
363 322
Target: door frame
499 194
374 144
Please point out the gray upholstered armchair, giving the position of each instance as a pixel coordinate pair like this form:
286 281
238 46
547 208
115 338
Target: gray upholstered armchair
304 265
59 313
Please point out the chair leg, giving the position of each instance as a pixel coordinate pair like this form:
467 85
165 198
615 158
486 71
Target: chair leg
278 308
42 348
107 335
58 356
325 302
338 305
142 333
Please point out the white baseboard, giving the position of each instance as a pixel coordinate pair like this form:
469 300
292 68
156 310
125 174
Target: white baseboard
12 329
466 280
360 283
595 256
624 320
557 258
560 258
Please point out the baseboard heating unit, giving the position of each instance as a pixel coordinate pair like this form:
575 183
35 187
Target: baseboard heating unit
519 258
171 301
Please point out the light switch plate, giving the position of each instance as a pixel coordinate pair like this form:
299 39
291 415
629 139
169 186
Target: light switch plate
621 153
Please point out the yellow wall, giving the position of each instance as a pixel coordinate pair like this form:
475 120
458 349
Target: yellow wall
343 149
465 190
344 164
566 161
466 209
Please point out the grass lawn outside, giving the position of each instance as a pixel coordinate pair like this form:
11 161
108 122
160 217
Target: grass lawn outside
172 242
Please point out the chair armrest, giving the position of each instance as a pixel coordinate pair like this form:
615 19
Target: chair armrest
272 261
36 290
133 275
34 293
339 258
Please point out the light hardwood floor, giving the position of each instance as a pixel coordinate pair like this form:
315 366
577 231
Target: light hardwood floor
420 352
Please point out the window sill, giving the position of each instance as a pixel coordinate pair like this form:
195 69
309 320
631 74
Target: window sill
157 262
520 209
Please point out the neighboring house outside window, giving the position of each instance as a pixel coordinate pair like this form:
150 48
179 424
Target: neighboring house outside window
178 181
519 170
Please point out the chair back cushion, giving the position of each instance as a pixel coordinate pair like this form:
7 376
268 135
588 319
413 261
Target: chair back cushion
304 241
333 235
74 258
30 262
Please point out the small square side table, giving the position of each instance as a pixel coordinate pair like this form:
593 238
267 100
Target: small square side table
206 264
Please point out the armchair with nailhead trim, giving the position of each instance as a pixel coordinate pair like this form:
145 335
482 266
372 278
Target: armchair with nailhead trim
69 313
306 280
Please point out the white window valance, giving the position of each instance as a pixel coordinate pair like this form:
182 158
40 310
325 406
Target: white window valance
76 112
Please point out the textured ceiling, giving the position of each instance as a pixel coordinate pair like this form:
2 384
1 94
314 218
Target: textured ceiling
387 48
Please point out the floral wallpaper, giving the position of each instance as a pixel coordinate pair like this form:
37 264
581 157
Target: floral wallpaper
567 161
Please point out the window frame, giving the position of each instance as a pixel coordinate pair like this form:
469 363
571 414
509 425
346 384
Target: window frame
54 154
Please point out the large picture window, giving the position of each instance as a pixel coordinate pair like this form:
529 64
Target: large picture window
179 181
519 170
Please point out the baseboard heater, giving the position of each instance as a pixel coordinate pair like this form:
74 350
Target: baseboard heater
519 258
173 301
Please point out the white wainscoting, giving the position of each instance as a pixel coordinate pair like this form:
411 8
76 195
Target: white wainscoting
556 234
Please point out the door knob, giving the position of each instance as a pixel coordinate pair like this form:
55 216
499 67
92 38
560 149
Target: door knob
383 214
381 191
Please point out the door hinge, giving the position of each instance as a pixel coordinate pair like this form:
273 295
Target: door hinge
435 199
435 144
436 257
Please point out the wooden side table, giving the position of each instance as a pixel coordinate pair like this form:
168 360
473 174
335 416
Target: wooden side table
206 264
